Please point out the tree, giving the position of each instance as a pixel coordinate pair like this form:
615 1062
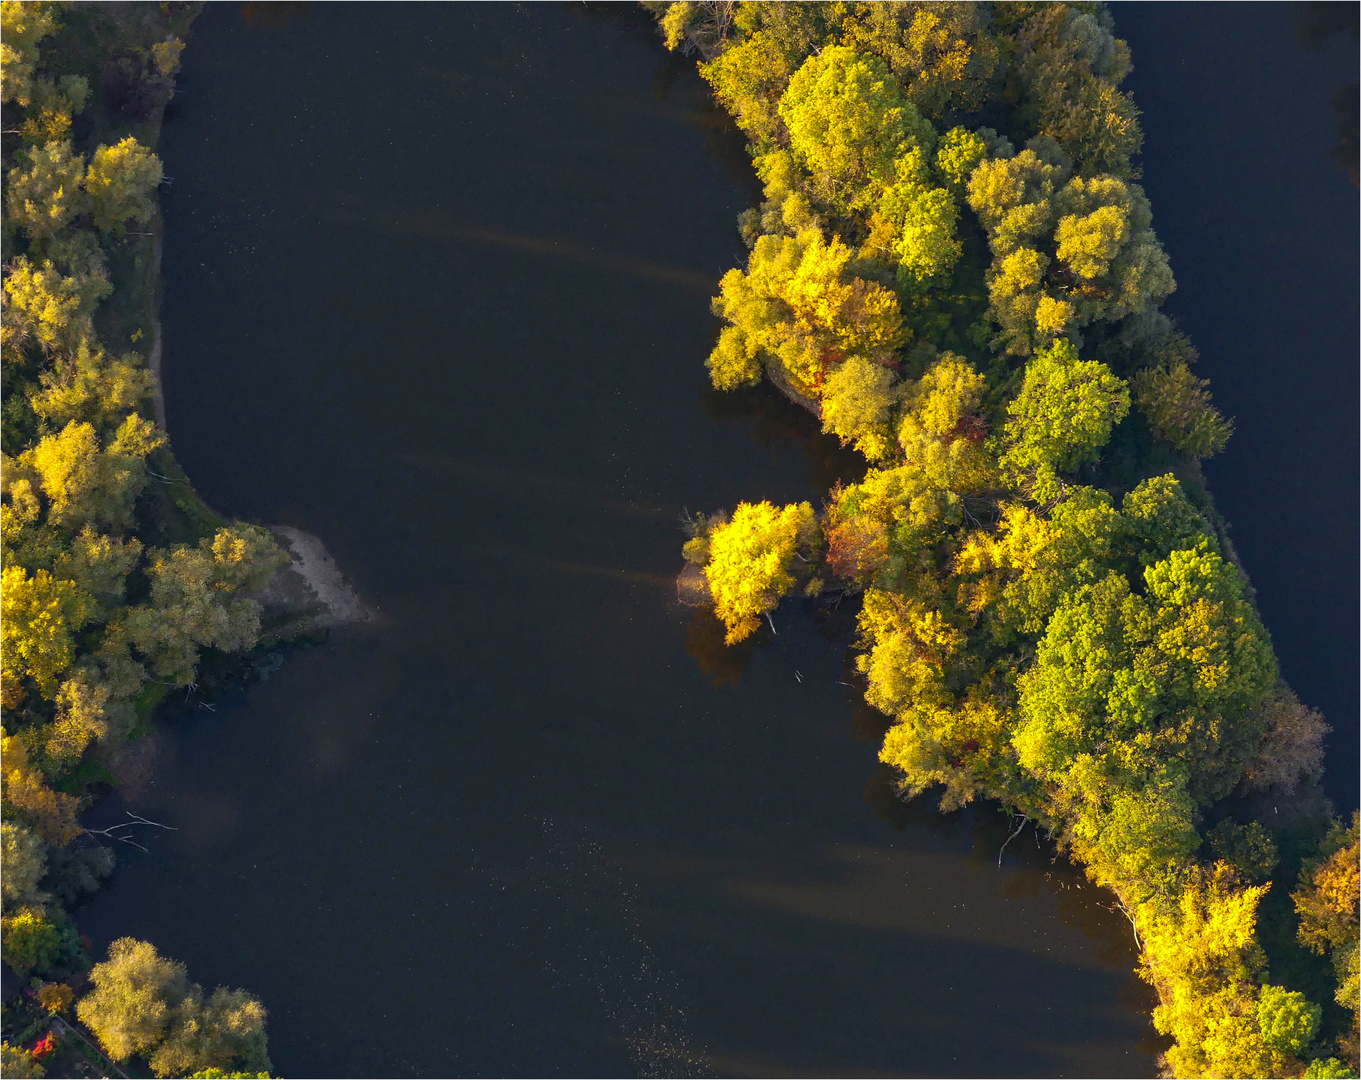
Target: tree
44 197
136 995
120 181
52 107
849 124
1177 406
798 306
56 998
945 55
50 814
32 942
22 867
751 561
1287 1019
92 485
921 231
856 400
1327 899
92 386
15 1061
22 26
45 307
228 1030
1293 746
42 615
1061 418
959 152
195 600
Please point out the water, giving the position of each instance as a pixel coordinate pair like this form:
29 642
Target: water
1261 227
437 288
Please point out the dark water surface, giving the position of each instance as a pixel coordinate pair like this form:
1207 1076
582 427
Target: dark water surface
1262 229
437 286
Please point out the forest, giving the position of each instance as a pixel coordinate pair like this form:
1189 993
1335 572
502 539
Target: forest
119 584
954 268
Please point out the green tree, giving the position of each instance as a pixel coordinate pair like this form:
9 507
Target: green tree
1177 406
196 600
946 55
849 124
121 181
1061 418
226 1031
22 867
1287 1019
22 26
751 561
32 941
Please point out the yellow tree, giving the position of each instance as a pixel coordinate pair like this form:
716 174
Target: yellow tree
120 181
752 559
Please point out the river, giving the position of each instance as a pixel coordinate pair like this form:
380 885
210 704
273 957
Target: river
437 285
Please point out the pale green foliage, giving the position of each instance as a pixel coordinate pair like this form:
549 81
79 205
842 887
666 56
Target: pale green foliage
136 995
856 401
196 600
1287 1019
848 124
99 565
22 26
121 181
1135 684
751 561
44 197
48 116
21 868
1099 228
226 1030
1061 418
943 54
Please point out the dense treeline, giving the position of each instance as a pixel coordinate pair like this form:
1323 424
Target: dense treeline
955 268
115 576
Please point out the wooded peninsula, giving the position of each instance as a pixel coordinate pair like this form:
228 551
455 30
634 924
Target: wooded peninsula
955 269
118 582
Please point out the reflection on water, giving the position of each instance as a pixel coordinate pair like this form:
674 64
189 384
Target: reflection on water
275 14
1315 25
